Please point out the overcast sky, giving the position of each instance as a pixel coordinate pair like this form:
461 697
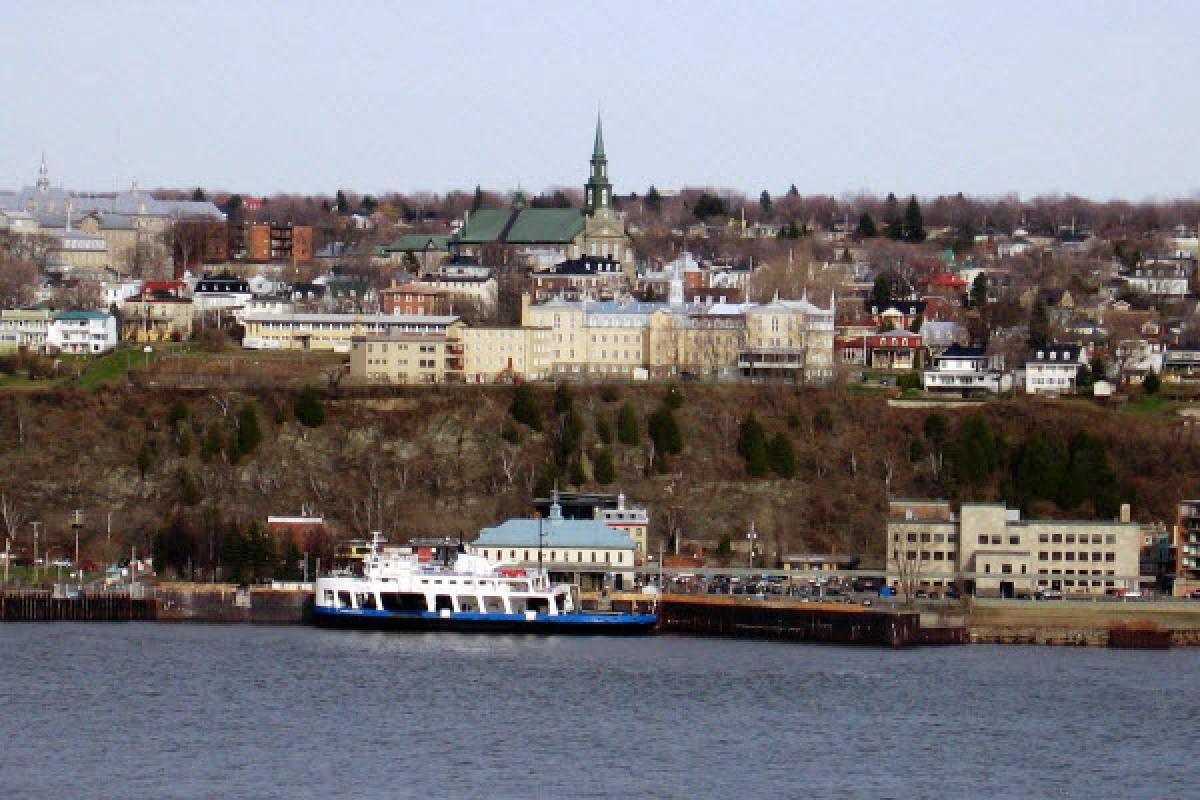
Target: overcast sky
1099 99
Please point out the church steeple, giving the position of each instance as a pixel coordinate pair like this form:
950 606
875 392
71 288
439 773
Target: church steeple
598 191
43 181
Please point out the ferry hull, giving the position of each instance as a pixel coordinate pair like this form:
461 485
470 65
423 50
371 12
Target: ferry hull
579 624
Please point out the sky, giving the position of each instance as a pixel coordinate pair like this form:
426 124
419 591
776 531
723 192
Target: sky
1091 98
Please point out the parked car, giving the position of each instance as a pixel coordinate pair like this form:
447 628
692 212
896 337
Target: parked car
1049 594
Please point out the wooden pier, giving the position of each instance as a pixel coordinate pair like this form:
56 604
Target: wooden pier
784 619
42 606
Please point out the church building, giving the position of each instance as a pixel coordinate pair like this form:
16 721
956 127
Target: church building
565 233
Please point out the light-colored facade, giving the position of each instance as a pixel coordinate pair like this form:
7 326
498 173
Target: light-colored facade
335 332
628 339
633 520
408 358
494 354
587 552
1054 370
82 332
24 329
988 550
966 371
162 319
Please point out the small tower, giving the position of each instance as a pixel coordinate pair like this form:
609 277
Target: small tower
43 181
598 191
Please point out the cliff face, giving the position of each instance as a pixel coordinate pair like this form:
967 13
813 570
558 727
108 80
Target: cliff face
448 461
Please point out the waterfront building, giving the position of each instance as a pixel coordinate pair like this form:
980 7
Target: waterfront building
1187 548
989 550
587 552
612 509
161 312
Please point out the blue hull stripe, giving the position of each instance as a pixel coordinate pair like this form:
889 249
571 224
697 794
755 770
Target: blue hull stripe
478 616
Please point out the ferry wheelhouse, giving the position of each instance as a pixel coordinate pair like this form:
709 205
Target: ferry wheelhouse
399 590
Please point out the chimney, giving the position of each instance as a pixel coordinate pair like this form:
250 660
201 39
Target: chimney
1124 512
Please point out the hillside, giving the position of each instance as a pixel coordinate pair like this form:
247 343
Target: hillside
447 461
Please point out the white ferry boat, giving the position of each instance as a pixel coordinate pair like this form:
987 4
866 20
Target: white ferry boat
399 591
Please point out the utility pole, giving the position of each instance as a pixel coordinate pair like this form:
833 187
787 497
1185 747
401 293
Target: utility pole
76 524
752 535
36 571
538 514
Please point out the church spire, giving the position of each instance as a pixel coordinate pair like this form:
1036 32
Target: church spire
43 181
598 191
598 148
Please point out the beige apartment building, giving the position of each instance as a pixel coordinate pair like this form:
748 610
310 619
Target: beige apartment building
494 354
986 549
406 358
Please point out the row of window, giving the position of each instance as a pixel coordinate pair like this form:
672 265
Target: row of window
1071 556
553 555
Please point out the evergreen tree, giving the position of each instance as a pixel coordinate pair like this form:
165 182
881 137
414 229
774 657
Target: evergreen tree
937 427
604 431
509 432
653 201
664 431
793 191
1152 383
914 223
570 436
234 554
752 446
627 425
309 408
709 205
178 413
198 196
764 202
881 292
369 204
781 457
214 441
979 291
234 207
563 402
524 407
341 203
673 398
893 225
477 200
973 455
1040 468
866 227
1039 326
144 459
248 432
603 470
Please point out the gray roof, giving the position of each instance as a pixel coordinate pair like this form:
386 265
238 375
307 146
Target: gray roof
556 532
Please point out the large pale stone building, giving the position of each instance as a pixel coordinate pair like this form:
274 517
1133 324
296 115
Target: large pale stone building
988 550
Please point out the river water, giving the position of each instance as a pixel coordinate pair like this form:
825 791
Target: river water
155 710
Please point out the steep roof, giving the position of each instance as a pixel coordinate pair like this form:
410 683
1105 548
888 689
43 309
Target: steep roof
529 226
419 243
558 225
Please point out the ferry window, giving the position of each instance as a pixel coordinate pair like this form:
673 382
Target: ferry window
494 605
365 600
343 599
443 603
328 597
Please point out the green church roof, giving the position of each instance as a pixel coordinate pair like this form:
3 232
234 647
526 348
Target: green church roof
530 226
557 225
485 225
419 243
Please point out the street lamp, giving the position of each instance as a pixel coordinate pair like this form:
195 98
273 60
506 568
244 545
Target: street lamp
35 523
76 524
751 535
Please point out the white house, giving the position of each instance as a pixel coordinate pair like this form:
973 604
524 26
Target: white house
222 293
24 329
82 332
966 371
115 293
1054 370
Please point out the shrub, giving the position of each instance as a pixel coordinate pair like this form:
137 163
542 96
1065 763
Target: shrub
524 407
627 425
781 457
